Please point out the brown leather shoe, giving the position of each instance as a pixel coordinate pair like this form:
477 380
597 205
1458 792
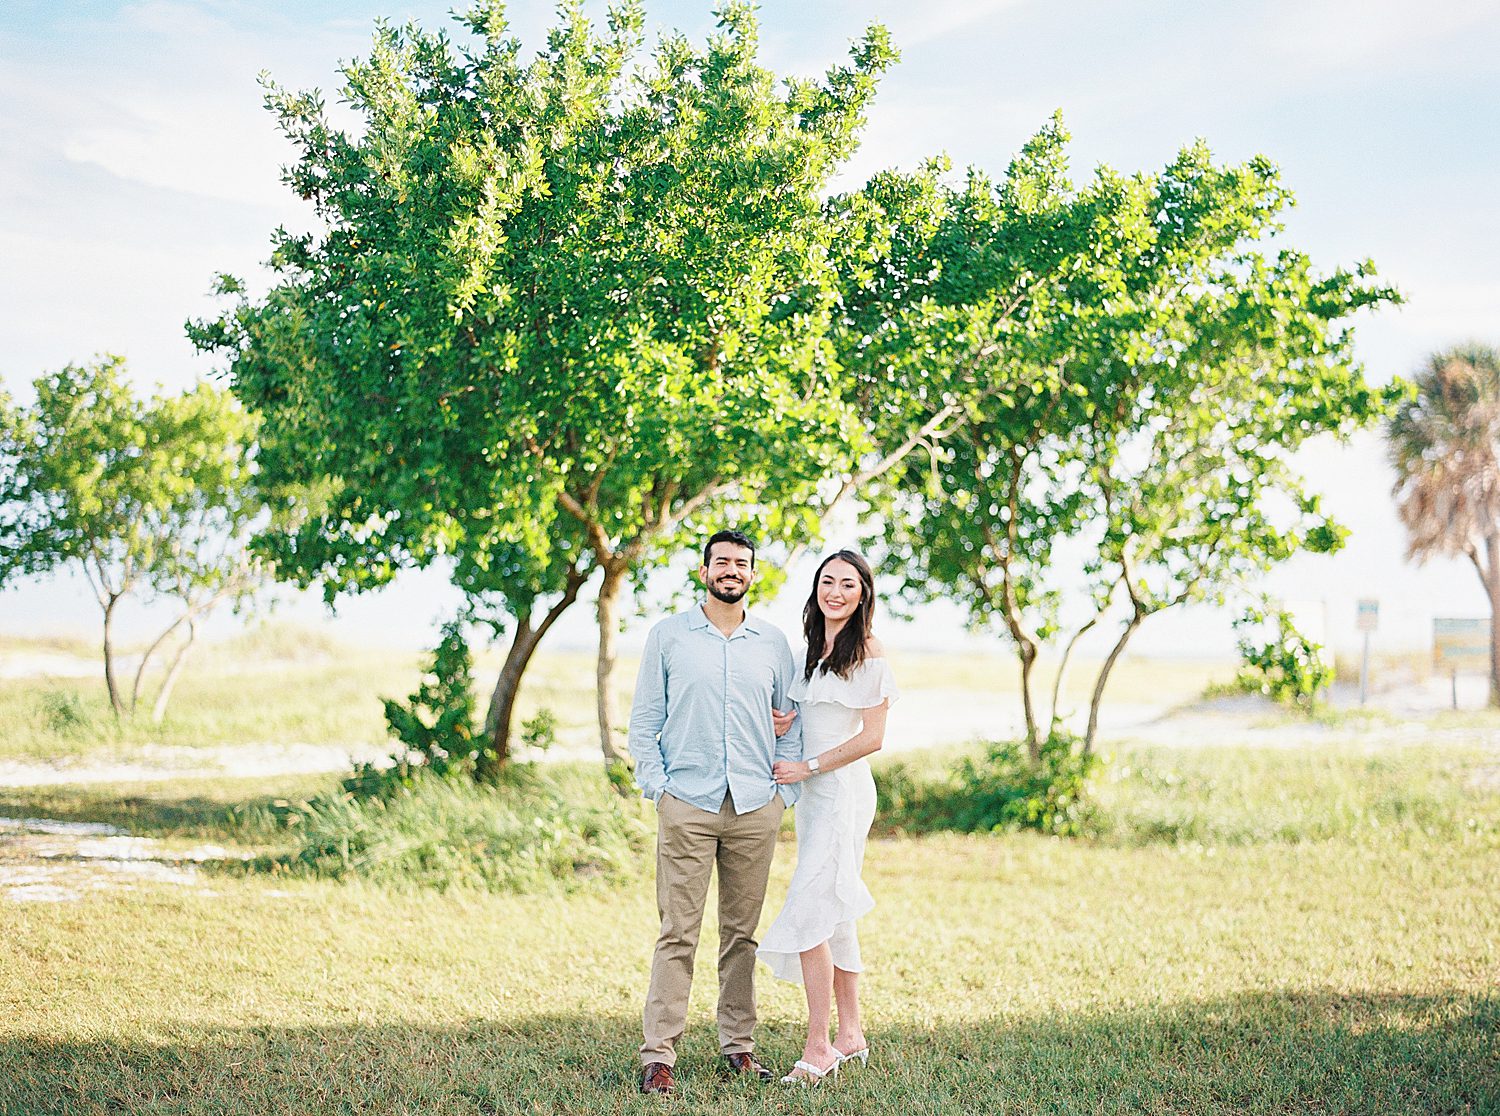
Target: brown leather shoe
657 1077
744 1062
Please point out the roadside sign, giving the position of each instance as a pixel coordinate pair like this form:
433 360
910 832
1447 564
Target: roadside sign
1366 619
1461 642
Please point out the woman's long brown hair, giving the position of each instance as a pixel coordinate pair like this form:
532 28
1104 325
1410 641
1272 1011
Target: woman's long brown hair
848 649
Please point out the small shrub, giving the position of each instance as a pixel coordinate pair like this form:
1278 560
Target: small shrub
1005 789
63 712
1279 661
520 834
436 724
621 777
377 780
540 732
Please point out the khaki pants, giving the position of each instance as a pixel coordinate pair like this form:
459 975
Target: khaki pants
689 842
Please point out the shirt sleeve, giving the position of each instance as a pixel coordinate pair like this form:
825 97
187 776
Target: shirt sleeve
648 713
788 746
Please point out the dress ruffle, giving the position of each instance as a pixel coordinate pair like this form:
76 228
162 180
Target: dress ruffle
867 686
827 896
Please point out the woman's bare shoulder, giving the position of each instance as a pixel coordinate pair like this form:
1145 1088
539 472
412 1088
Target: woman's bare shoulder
874 649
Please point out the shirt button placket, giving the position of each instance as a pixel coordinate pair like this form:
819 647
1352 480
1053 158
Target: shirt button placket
725 733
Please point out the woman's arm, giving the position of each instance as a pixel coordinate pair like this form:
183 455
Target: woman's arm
865 742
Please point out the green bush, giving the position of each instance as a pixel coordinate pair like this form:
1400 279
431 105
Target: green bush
1279 661
1005 789
63 712
525 833
436 724
540 732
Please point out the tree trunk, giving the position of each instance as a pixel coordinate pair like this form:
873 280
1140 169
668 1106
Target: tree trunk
140 671
501 713
1026 643
159 711
109 658
1062 670
610 591
1492 589
1109 664
1027 651
1033 733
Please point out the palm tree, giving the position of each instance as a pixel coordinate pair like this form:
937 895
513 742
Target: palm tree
1445 445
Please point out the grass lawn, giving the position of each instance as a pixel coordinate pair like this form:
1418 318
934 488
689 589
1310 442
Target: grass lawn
1341 956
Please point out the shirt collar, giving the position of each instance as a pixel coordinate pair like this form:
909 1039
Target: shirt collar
698 619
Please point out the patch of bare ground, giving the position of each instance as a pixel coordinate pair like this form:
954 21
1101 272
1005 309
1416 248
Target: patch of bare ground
44 860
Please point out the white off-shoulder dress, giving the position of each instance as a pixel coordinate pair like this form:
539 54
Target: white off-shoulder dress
833 815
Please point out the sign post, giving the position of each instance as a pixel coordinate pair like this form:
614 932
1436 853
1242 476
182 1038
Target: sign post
1460 641
1367 620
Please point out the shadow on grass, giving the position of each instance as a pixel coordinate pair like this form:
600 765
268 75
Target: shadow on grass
148 813
1255 1054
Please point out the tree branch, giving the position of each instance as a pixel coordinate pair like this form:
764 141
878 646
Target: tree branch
1062 667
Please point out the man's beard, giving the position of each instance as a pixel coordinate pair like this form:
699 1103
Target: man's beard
728 596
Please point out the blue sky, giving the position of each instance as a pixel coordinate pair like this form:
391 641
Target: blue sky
136 161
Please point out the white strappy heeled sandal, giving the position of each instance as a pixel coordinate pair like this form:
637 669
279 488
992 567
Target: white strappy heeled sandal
863 1054
811 1074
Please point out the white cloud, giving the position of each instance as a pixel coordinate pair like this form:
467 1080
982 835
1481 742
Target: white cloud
172 101
1440 313
913 25
222 146
72 297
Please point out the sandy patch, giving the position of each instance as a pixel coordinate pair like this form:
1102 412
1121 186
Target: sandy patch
58 828
47 861
1485 778
172 761
51 664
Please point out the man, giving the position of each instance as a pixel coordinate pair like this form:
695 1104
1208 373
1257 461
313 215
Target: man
703 740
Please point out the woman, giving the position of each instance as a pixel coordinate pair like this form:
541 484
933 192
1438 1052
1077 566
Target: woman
844 693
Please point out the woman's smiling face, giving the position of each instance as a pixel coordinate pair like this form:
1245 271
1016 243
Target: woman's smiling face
839 590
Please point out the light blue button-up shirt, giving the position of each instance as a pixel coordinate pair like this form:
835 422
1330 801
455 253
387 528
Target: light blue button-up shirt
701 721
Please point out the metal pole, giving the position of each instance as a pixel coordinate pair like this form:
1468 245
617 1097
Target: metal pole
1364 670
1455 687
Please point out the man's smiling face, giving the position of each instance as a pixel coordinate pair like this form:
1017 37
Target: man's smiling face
730 571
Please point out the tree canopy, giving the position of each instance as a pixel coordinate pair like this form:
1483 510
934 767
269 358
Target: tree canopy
1140 402
1445 446
558 311
561 313
149 497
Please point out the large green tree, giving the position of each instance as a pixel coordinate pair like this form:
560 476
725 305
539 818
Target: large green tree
147 497
1131 449
558 315
1445 446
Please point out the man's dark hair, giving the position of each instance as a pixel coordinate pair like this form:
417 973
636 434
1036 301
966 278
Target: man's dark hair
739 538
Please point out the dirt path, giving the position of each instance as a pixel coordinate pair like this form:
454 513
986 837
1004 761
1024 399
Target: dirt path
155 762
47 861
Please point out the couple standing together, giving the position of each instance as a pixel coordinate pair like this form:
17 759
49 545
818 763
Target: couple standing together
720 750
